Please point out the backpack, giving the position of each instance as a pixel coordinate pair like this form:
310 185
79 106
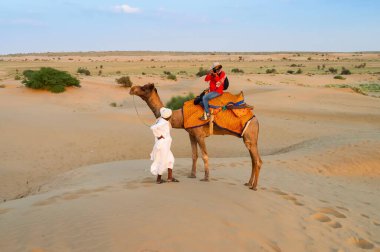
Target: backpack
226 84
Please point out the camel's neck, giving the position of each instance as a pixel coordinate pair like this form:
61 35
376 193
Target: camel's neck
154 102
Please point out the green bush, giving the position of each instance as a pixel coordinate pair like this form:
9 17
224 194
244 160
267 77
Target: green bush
202 71
333 70
57 89
290 72
124 81
167 73
299 71
361 65
172 77
339 77
177 102
345 71
237 70
49 79
83 71
270 71
28 73
373 87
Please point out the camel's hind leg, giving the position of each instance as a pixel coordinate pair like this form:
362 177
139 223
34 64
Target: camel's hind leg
250 140
194 150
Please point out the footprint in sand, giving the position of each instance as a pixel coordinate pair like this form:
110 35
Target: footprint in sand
360 243
343 208
335 224
71 196
4 210
321 217
365 216
331 211
286 196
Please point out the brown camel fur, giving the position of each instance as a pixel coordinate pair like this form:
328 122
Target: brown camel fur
198 134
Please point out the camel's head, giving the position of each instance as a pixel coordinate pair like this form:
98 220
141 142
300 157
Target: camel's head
143 91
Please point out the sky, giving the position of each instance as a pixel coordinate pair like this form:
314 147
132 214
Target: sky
198 25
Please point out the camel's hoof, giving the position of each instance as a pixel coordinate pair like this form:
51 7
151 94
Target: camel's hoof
192 176
205 180
253 188
247 184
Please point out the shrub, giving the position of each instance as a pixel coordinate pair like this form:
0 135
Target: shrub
172 77
361 65
290 72
237 70
299 71
202 71
83 71
57 89
309 58
143 73
28 73
167 72
339 77
49 79
374 87
345 71
17 77
269 71
333 70
177 102
118 72
124 81
113 104
100 72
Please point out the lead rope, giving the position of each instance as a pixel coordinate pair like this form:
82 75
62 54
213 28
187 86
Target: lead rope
137 112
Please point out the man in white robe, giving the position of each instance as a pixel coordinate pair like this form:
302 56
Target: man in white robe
161 155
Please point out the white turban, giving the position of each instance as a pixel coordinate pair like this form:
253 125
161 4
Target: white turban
215 64
165 112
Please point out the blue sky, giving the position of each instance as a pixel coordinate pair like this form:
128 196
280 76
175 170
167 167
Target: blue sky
168 25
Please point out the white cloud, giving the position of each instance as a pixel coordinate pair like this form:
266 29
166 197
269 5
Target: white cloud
125 8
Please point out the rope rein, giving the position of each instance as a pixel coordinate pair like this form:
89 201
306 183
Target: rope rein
137 112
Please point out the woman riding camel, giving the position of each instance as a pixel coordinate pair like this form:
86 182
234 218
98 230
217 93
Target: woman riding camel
161 155
216 78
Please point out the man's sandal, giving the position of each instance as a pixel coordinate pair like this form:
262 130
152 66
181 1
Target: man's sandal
161 181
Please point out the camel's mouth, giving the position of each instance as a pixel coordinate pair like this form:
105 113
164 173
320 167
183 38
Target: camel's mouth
132 91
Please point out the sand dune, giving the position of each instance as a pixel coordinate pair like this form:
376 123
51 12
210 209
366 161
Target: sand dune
118 207
75 171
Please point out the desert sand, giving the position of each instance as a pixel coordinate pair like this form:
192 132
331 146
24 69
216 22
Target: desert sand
75 171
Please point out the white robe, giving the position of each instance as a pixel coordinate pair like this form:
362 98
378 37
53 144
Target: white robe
161 155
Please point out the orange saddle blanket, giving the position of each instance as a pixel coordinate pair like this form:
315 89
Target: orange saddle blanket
233 120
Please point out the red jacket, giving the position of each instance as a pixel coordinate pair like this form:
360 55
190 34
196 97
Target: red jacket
214 79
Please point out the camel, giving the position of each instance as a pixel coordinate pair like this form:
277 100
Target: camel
197 135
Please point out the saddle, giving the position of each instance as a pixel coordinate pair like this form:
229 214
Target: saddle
229 112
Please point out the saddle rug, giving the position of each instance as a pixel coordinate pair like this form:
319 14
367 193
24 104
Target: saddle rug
233 120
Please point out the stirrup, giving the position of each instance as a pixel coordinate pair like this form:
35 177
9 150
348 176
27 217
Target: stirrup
205 117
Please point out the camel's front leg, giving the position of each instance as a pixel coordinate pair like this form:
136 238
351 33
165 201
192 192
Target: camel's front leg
202 145
194 150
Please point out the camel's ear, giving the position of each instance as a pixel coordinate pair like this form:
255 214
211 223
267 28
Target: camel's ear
150 86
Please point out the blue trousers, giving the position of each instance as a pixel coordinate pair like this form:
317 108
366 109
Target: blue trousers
206 98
